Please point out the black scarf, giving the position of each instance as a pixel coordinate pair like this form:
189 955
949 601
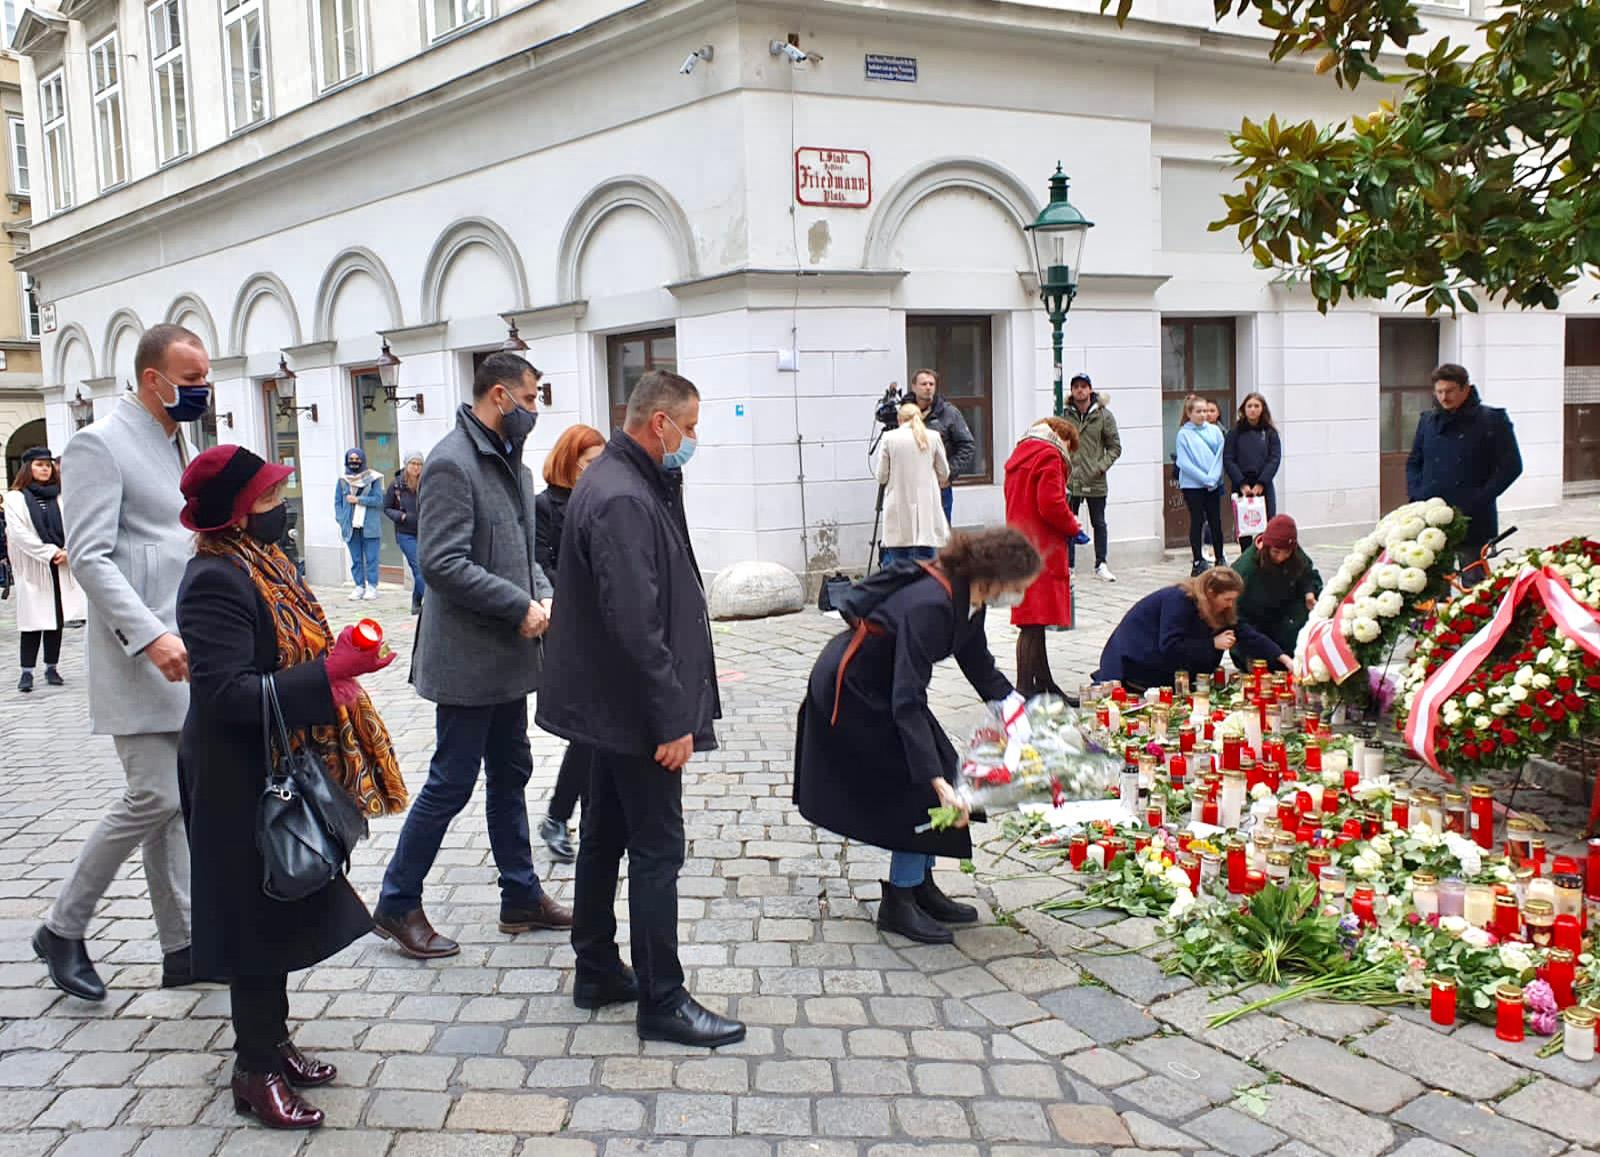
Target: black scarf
46 512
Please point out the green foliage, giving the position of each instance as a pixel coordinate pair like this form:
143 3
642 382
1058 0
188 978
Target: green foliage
1479 170
1278 933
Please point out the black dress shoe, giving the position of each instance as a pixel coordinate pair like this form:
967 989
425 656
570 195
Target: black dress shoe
899 912
177 970
941 907
70 968
53 677
556 837
691 1023
593 994
25 684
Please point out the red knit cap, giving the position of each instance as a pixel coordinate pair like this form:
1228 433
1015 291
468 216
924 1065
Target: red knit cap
222 484
1280 534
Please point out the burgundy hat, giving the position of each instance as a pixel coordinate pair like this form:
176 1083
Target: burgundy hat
1281 533
222 484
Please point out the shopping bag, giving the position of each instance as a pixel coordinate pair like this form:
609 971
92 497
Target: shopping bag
1249 515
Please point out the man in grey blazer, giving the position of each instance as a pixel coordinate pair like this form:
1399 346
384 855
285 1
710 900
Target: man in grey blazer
128 553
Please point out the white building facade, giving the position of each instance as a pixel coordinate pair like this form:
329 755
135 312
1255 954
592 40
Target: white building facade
300 180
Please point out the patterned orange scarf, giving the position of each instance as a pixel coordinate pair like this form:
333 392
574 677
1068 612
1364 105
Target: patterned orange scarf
356 750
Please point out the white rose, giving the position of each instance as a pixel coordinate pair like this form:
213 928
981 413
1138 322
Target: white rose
1544 656
1524 676
1432 538
1182 902
1366 607
1451 713
1515 958
1500 709
1482 722
1413 580
1155 868
1177 877
1541 680
1518 694
1477 937
1475 700
1390 604
1455 925
1381 845
1260 791
1366 630
1440 515
1561 665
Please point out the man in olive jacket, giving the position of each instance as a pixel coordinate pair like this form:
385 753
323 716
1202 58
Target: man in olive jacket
1099 446
477 655
634 684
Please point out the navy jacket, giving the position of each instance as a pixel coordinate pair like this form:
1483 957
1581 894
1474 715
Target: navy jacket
1163 634
1468 457
1251 455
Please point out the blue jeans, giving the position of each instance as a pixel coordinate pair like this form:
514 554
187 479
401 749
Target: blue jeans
894 554
908 869
497 739
363 559
947 496
408 547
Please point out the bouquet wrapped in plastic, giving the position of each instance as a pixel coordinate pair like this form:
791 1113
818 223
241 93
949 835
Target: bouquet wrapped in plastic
1034 752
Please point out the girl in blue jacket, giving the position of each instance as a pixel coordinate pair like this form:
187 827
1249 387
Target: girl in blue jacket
1199 456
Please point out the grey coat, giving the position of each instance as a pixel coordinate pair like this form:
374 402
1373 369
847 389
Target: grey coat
475 544
128 552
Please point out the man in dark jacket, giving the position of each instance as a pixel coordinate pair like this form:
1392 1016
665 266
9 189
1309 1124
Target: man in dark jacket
1466 453
946 421
631 641
477 655
1099 447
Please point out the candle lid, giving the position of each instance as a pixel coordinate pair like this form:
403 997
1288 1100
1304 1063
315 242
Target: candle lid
1579 1016
1364 891
1481 791
1568 880
1278 858
1540 909
1454 798
1505 900
1518 824
1564 955
1444 984
1319 856
1509 993
1423 880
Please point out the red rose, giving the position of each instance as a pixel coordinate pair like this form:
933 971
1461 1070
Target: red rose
1556 713
1469 750
1487 746
1564 684
1537 727
1524 711
1572 702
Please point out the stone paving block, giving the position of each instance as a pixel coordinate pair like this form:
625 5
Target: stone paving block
774 1116
1102 1067
1191 1010
1104 1016
260 1143
1334 1019
509 1113
1449 1063
349 1143
108 1070
733 1147
181 1143
1324 1066
1152 1136
1475 1129
415 1073
1481 1036
1031 975
1010 1121
1089 1125
1428 1147
636 1073
776 1010
694 1115
606 1115
1008 1009
897 1150
814 1042
1162 1097
634 1147
971 981
853 1117
877 1042
923 1118
100 1143
1325 1124
492 1073
31 1069
454 1145
713 1075
945 1079
168 1107
1035 1082
1136 977
1052 1037
944 1045
813 1076
84 1109
1213 1074
407 1110
903 1011
35 1143
861 1077
1556 1108
1234 1132
536 1042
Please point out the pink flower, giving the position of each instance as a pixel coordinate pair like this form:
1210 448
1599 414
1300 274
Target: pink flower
1543 1023
1539 997
1433 920
1414 919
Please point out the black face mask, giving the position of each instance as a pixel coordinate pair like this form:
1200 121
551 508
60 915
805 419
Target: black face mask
269 527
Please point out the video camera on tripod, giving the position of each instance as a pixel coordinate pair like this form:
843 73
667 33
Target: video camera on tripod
888 411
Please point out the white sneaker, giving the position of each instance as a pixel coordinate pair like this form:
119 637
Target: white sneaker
372 593
1105 573
358 594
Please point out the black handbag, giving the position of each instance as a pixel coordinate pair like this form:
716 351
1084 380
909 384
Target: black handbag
306 824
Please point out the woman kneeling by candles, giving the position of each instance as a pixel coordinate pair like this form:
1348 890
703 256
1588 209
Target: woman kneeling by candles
1188 626
871 759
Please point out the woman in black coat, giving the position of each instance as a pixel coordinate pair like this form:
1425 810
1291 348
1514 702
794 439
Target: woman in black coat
1251 455
577 446
244 615
870 757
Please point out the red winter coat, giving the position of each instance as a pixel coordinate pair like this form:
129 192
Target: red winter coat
1036 504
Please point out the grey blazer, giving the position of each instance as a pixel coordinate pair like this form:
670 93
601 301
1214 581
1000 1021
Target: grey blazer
475 543
128 551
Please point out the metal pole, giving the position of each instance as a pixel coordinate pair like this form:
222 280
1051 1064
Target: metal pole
1057 320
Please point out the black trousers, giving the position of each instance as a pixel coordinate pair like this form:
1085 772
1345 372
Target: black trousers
1205 510
1033 664
1097 519
51 639
572 783
635 806
260 1020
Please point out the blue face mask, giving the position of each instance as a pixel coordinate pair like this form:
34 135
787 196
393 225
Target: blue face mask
679 458
191 404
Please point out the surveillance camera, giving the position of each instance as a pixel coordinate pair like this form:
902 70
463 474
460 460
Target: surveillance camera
795 55
704 52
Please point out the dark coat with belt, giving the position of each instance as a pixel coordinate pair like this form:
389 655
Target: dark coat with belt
400 507
1036 504
1274 598
629 645
1469 457
868 775
551 514
222 763
475 544
1163 634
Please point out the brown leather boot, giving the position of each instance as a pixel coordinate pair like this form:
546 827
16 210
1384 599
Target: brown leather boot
414 936
548 915
302 1071
273 1101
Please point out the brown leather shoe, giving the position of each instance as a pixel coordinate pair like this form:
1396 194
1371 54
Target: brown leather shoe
302 1071
414 936
273 1101
548 915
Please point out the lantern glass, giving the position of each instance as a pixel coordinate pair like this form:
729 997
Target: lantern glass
388 370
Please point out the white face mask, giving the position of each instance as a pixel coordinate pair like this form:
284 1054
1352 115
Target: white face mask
1005 600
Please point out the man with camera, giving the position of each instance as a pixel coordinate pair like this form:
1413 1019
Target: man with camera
941 418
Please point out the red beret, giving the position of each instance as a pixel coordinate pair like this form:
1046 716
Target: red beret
1281 533
221 485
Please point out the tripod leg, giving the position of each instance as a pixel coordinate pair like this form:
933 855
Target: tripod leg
877 523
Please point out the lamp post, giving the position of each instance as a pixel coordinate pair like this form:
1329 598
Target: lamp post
1058 234
283 386
82 410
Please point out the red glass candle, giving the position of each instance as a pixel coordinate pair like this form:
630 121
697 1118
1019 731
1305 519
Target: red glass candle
1536 856
1507 917
1313 756
1567 933
1330 801
1442 1001
1481 815
1254 881
1564 866
1078 851
1272 775
1352 828
1208 810
1559 972
1165 695
1177 772
1190 863
1361 904
1232 747
1186 739
1400 813
1288 817
1302 802
1237 882
1119 695
1508 1013
1316 860
368 635
1290 775
1351 778
1114 848
1155 815
1305 834
1184 840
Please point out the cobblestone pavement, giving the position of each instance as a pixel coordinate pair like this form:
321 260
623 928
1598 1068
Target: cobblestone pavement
1014 1041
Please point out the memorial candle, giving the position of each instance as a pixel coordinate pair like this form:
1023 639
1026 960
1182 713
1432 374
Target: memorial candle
1478 905
1236 866
1567 933
1482 821
1507 919
1591 887
1400 808
1313 756
1578 1033
1361 904
1425 894
1508 1012
1452 897
1559 972
1442 1001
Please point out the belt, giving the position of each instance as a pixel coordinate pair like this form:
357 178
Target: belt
864 630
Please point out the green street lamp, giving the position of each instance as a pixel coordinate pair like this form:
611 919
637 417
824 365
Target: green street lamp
1058 235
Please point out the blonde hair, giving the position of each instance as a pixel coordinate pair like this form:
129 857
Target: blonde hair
911 415
1207 587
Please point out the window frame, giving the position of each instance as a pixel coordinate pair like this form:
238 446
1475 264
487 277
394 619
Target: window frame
614 341
235 13
32 328
436 34
943 324
1391 395
178 55
58 198
319 47
17 146
101 99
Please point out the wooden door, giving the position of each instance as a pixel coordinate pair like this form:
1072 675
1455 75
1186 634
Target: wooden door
1408 351
629 356
283 447
1198 356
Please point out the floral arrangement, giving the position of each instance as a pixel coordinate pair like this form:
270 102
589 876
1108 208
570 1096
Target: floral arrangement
1369 600
1535 689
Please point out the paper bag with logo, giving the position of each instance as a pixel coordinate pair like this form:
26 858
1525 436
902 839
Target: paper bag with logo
1249 514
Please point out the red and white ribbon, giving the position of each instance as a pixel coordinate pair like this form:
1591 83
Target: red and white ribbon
1574 619
1325 640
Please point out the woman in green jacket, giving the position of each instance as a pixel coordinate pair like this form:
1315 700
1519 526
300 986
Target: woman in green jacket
1280 585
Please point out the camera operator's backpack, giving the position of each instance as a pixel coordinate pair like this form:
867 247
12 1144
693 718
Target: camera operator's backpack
833 587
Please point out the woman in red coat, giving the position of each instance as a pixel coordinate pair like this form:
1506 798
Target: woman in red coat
1036 504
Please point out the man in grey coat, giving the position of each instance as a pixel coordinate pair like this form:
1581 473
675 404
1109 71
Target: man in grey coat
477 655
128 553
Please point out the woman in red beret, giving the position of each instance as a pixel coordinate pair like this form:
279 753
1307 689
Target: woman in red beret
245 614
1281 585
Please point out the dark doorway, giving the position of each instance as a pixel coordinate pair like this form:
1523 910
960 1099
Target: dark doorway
1198 356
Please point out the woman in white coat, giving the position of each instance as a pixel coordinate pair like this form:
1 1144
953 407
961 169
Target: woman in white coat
47 596
912 469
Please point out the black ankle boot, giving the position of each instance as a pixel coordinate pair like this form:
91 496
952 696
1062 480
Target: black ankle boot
941 907
899 912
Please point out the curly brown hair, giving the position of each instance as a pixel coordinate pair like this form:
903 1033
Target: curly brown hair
997 555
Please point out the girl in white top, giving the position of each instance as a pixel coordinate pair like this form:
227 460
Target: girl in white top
912 469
